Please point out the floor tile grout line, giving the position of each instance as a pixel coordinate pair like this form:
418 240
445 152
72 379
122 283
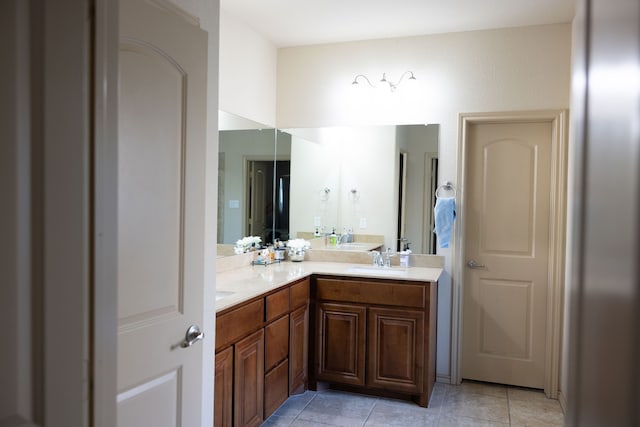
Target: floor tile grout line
375 402
315 393
509 406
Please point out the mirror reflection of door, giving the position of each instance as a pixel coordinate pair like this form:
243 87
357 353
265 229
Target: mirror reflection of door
402 202
259 200
267 213
281 208
430 186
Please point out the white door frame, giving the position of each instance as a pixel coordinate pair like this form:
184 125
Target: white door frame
105 245
557 225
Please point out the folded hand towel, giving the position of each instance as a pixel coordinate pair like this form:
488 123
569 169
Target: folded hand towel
444 215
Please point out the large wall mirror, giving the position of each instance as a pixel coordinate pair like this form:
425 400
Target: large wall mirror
253 180
376 180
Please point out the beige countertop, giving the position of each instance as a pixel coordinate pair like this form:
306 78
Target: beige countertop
244 283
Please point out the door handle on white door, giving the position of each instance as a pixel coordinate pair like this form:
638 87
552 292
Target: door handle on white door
474 264
192 336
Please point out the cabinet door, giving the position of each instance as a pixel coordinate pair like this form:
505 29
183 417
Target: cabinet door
223 397
248 402
396 349
341 343
298 350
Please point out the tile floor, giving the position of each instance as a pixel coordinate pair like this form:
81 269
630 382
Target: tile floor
469 404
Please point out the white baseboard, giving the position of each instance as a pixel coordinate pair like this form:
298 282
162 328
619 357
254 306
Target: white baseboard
444 379
563 402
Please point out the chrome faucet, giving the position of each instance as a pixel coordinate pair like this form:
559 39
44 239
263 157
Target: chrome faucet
387 257
382 259
377 259
346 236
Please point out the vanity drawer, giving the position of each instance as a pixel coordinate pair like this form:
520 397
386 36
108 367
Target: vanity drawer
277 304
239 322
299 294
371 292
276 346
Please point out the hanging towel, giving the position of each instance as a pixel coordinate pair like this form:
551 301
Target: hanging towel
444 215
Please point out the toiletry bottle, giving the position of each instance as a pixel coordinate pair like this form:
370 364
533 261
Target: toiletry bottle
317 232
404 255
333 238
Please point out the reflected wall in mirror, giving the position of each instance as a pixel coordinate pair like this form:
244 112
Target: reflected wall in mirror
350 177
253 181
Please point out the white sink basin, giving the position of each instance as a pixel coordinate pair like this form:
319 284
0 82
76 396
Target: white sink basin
378 271
354 246
223 294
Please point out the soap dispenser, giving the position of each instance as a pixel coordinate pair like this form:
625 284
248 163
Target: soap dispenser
404 255
333 238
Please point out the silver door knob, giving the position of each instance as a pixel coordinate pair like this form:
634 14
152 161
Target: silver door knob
474 264
193 335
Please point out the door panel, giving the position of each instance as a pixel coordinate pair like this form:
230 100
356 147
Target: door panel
507 236
151 205
505 325
161 154
223 396
139 405
298 349
248 402
396 349
507 216
341 343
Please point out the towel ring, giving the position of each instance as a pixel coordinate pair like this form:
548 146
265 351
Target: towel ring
447 186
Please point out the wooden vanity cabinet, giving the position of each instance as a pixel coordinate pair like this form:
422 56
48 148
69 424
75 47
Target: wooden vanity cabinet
248 380
341 343
376 335
261 355
239 366
396 349
276 384
223 400
298 350
299 337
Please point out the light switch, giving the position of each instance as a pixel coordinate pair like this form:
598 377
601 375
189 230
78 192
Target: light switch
234 204
363 222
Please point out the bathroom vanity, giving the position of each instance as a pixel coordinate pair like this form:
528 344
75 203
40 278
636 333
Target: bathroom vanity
375 335
284 328
261 354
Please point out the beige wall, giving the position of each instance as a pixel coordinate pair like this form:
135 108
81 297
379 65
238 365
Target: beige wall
523 68
247 72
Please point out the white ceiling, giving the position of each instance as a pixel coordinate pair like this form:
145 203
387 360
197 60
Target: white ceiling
303 22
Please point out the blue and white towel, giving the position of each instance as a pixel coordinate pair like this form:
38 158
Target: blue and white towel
444 215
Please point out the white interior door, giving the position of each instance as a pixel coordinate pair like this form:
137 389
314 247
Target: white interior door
161 174
507 252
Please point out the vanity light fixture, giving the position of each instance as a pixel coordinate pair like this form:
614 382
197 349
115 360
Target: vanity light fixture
392 86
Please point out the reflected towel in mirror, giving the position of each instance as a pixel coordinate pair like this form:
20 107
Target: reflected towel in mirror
444 214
